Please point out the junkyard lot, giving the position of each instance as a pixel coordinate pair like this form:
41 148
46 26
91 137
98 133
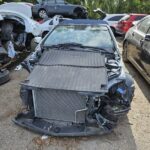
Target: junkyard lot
132 133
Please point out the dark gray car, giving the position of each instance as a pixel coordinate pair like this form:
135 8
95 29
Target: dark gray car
136 47
50 8
77 86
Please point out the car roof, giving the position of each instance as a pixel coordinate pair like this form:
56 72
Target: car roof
17 7
84 22
134 14
115 15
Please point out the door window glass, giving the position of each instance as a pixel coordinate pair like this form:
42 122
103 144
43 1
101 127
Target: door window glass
60 1
144 25
51 22
50 1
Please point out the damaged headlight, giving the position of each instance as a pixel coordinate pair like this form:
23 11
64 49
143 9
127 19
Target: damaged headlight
119 93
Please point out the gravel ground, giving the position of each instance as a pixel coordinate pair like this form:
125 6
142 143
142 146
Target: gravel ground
133 132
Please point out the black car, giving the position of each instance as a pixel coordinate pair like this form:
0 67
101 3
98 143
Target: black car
45 8
77 85
136 47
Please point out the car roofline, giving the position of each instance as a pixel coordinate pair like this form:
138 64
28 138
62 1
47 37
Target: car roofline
83 22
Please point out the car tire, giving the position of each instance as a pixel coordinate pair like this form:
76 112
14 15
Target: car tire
42 13
4 76
125 52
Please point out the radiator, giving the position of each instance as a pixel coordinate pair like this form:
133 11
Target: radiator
60 105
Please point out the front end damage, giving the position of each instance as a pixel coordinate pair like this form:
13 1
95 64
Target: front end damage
75 95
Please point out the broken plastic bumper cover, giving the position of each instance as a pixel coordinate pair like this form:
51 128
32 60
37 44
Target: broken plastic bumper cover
42 126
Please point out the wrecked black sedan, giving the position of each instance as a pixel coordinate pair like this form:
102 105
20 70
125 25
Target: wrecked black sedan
77 85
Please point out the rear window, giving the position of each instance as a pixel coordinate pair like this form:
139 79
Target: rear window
139 18
115 18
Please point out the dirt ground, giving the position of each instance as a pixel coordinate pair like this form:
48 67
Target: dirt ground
133 132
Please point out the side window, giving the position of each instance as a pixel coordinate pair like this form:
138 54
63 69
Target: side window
51 22
51 1
115 18
139 18
144 25
60 1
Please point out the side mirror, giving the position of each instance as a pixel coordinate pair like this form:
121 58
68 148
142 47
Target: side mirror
37 40
147 37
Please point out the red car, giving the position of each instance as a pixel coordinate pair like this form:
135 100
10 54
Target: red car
127 21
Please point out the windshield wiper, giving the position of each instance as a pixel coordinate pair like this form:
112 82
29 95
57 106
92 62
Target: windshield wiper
87 48
98 49
64 45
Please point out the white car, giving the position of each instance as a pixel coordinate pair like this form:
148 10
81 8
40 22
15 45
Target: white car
31 27
111 19
50 24
18 7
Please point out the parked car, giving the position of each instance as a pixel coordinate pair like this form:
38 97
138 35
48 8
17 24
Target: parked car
127 22
78 86
24 30
136 47
111 19
50 8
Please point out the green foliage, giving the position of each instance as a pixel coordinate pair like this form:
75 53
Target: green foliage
115 6
109 6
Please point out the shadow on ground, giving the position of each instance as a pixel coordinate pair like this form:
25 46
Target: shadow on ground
143 85
121 138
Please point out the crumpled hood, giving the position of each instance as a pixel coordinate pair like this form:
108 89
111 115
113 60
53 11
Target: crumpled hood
70 70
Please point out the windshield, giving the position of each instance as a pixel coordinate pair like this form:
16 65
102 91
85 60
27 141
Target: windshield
86 35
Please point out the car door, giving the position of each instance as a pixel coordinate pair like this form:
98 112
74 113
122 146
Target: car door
62 8
50 6
145 53
137 37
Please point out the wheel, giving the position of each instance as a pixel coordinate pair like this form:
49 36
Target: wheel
125 52
42 13
4 76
